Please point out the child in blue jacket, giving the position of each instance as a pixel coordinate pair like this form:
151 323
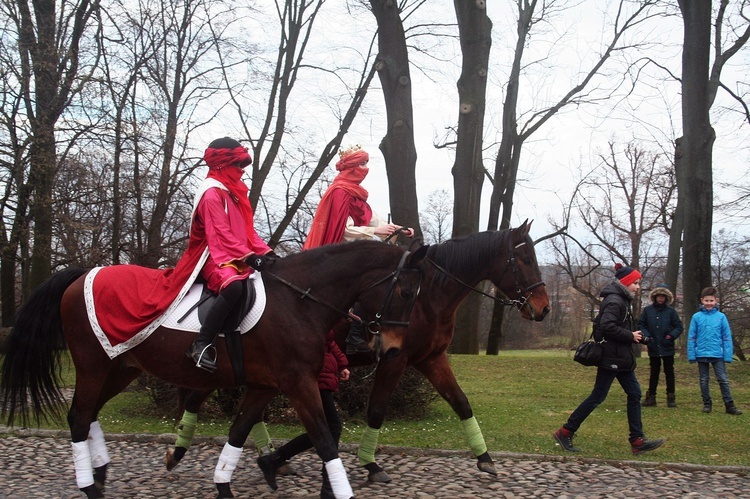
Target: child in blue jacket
710 343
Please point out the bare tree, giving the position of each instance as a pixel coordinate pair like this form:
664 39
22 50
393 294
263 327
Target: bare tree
622 203
513 138
475 35
50 40
731 275
695 177
436 217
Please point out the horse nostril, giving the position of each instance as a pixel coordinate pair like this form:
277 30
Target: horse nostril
545 311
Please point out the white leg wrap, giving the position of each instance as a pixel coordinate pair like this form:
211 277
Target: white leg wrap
228 460
82 464
339 482
97 447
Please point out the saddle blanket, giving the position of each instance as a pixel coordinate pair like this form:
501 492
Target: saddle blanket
181 315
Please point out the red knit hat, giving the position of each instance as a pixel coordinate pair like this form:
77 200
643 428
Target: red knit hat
626 275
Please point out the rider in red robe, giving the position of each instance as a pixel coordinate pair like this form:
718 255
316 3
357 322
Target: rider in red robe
344 215
223 222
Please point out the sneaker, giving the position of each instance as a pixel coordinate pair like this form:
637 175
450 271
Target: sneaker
564 438
707 408
641 445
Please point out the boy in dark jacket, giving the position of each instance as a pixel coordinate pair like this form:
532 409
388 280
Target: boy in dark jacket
661 326
614 325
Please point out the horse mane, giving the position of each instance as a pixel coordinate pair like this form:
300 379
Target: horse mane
468 256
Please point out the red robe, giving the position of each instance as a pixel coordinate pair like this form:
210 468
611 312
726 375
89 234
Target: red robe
130 300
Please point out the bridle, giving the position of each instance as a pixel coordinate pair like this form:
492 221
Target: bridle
373 326
523 292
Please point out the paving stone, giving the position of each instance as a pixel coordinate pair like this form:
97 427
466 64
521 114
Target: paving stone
37 464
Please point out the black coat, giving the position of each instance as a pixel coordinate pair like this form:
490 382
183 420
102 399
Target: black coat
614 324
657 321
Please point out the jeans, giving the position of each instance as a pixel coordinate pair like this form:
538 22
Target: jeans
655 363
720 371
604 379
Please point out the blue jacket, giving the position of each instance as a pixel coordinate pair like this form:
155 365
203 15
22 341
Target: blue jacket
709 336
658 322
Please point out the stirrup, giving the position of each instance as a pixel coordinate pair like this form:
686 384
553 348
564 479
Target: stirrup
204 361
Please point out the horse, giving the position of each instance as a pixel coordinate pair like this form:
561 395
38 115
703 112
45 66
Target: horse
306 293
451 270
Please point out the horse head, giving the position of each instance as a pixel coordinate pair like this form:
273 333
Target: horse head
519 276
401 290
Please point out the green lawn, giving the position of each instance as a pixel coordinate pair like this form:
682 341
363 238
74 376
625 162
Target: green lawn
521 397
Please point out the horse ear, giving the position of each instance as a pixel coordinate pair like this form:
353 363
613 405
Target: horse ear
526 227
416 257
416 243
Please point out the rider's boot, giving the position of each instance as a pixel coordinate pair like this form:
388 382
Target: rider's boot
202 351
356 341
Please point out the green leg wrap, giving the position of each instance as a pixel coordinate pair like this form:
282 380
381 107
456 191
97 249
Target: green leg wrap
260 435
367 446
186 429
474 436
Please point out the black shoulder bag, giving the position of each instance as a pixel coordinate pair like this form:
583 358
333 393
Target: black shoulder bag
589 353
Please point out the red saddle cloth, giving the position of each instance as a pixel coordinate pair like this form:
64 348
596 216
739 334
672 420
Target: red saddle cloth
129 301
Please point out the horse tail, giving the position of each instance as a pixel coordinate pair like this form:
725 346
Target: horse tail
32 369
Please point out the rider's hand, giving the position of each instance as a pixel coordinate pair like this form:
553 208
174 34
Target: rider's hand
260 262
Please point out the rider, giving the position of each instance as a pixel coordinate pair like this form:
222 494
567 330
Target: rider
222 224
343 215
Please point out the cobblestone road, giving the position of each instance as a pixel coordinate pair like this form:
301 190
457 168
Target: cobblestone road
39 464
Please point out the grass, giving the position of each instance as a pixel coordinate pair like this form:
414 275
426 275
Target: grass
519 398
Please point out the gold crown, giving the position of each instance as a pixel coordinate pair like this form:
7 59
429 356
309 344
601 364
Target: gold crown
351 150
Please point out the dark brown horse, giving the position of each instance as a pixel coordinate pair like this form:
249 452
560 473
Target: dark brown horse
451 271
307 293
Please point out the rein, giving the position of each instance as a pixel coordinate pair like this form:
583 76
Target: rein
373 326
511 262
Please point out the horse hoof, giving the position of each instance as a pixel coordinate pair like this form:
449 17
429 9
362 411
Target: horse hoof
224 490
173 457
487 467
92 492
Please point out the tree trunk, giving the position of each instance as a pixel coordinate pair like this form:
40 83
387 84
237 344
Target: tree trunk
475 30
698 139
674 251
397 146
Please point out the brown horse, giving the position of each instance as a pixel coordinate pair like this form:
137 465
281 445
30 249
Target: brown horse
451 271
307 293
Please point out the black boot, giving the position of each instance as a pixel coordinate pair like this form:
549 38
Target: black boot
707 406
268 464
732 409
670 400
202 351
650 399
356 341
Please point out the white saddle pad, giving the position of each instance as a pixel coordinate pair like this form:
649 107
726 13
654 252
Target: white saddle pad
178 320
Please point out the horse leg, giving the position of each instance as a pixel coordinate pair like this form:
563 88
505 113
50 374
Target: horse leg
387 377
250 411
305 398
117 381
191 402
438 371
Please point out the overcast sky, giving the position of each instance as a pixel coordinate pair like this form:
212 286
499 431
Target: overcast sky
560 52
